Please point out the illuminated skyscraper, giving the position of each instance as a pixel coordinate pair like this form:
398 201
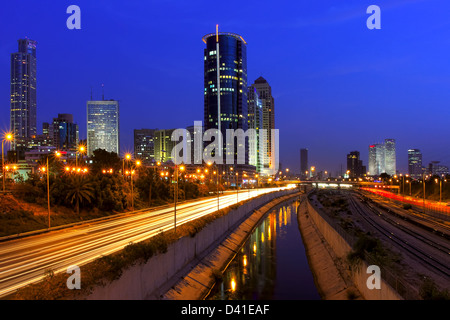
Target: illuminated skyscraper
376 159
232 86
23 93
255 121
64 132
382 158
268 111
390 159
415 169
103 126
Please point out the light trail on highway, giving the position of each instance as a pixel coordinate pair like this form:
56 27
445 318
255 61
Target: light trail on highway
25 260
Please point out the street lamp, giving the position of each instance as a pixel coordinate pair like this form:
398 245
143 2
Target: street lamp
46 169
8 137
81 149
137 164
126 158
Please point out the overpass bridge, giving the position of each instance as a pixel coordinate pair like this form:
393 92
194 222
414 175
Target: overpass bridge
337 184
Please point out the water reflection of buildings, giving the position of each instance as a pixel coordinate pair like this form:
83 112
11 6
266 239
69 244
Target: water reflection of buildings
252 273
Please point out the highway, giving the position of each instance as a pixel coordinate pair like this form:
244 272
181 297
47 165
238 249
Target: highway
25 260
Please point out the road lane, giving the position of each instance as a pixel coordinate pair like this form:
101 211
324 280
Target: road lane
25 260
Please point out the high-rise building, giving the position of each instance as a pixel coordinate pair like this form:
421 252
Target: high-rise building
415 169
23 93
65 132
255 121
231 69
144 145
164 145
268 111
103 126
390 160
355 165
382 158
303 162
376 159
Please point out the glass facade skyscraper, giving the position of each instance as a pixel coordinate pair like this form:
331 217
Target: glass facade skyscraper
382 158
23 93
390 157
415 169
232 85
376 159
103 126
64 132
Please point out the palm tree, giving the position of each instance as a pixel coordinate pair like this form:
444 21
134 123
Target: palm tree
79 189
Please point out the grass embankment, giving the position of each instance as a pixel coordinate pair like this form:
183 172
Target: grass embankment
108 268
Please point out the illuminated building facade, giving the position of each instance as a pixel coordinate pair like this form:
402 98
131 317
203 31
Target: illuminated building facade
103 126
23 93
232 86
415 169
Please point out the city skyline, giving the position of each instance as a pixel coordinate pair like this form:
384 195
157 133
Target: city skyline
297 101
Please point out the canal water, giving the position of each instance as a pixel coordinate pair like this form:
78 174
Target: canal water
272 264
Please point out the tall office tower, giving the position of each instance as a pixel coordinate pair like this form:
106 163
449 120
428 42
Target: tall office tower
268 109
415 163
303 162
103 126
64 132
354 164
255 119
390 157
164 145
376 159
225 58
144 145
23 93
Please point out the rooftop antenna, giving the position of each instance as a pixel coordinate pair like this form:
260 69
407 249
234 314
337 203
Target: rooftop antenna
103 92
91 93
218 90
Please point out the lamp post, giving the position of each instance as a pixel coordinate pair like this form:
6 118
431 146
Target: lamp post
81 149
137 164
423 181
46 169
126 158
8 137
237 189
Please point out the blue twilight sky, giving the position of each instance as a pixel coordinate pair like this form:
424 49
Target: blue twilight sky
338 86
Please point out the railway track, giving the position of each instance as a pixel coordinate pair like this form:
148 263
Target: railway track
426 258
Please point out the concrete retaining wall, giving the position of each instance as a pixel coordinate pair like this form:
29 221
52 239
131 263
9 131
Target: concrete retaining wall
140 281
341 249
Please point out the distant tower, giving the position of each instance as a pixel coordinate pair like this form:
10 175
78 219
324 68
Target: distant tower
23 93
415 163
390 161
376 159
303 162
268 111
